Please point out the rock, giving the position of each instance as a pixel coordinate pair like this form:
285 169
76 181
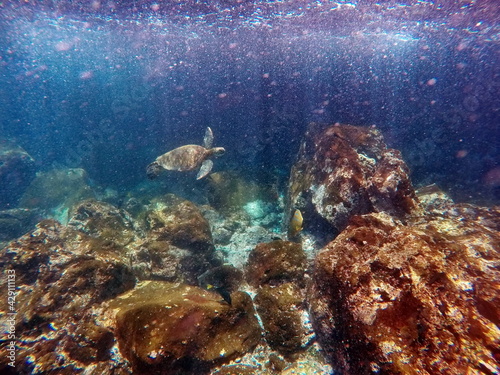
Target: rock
105 221
282 310
178 245
278 270
389 187
275 263
416 299
58 267
60 275
16 222
56 191
90 343
179 222
176 328
133 206
236 369
343 171
160 260
17 170
433 199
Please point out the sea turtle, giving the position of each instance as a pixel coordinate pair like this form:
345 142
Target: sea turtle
187 158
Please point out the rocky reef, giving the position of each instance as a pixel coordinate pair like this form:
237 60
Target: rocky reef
342 171
179 245
383 278
276 262
61 274
420 298
81 303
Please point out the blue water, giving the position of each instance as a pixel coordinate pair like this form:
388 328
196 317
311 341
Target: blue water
109 86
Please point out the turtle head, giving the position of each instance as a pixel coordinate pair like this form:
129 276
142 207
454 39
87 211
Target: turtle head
153 170
218 151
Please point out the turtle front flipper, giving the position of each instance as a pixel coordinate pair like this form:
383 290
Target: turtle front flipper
153 170
205 168
208 140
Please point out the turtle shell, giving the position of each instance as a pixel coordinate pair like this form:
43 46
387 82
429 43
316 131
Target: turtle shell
185 158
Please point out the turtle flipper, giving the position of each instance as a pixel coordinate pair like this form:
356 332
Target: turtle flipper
209 138
205 168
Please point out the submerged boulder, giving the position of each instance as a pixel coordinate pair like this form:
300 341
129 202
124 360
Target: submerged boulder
17 170
344 170
56 191
60 275
173 328
282 309
156 255
278 270
415 299
105 221
178 244
276 262
179 222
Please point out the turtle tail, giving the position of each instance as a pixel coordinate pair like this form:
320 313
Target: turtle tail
153 170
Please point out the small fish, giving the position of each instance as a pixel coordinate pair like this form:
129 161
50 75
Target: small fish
226 296
295 225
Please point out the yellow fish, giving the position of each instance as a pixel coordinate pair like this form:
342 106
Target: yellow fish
295 225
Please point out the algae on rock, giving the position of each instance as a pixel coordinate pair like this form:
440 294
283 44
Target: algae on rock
176 327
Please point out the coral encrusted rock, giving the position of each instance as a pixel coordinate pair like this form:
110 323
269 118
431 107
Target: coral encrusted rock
281 309
178 245
420 298
344 170
60 275
276 262
105 221
173 328
278 270
180 222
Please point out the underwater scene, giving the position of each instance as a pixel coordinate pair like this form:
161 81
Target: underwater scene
250 187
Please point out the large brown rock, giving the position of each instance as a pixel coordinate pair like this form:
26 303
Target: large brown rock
179 222
276 262
178 244
344 170
172 328
278 270
416 299
105 221
60 275
282 310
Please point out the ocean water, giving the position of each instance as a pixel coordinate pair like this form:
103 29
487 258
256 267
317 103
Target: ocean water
104 87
